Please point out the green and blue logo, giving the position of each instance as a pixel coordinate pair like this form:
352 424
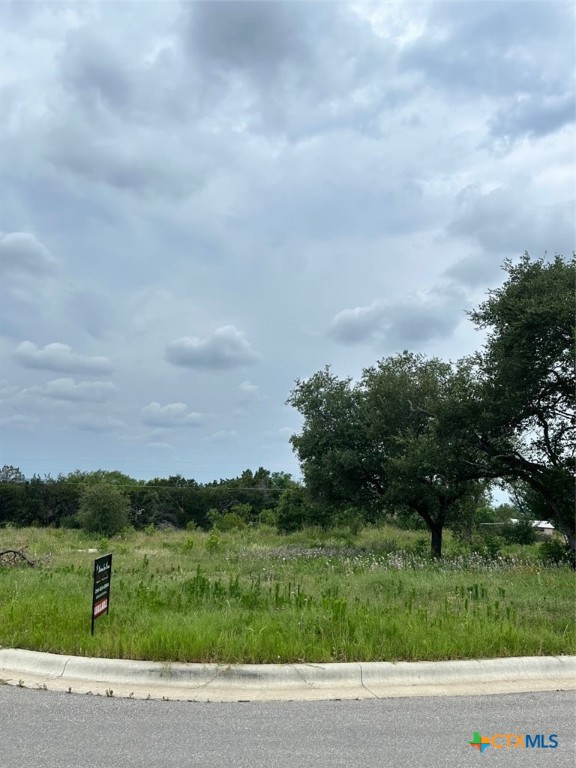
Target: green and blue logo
514 741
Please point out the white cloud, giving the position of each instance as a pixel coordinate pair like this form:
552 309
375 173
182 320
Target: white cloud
249 392
59 357
170 415
226 348
222 436
158 446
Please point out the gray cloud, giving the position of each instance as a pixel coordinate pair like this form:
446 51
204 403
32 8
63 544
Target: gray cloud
533 116
254 36
19 421
70 390
476 269
170 415
93 311
59 357
97 422
119 106
495 48
404 323
148 165
107 77
96 72
361 193
356 325
22 254
226 348
6 389
511 219
291 67
29 284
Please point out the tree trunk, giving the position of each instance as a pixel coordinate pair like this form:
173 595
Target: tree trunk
571 538
435 527
436 540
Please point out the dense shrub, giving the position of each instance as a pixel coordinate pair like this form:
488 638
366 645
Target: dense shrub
521 532
104 509
555 552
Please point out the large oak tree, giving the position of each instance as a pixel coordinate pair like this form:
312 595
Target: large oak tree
390 442
523 413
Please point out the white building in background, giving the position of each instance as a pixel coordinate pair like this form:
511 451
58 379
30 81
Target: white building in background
541 526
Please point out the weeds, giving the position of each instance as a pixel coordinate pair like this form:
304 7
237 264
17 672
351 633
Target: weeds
255 596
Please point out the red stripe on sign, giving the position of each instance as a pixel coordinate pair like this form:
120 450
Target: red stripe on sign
100 607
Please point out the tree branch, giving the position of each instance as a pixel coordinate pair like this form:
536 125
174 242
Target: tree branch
14 553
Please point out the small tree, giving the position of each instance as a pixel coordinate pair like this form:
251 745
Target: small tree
10 474
104 509
295 510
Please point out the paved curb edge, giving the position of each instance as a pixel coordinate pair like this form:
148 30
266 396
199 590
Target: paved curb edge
252 682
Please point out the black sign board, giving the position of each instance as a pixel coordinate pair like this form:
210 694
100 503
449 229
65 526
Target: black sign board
101 593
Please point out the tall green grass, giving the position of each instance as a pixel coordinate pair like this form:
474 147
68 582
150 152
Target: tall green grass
256 596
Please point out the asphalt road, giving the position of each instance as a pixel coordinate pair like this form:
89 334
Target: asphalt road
42 729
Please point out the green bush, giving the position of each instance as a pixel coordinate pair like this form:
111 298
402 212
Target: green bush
226 521
522 532
187 545
268 517
213 543
350 519
104 509
295 511
70 521
408 521
492 545
420 547
554 552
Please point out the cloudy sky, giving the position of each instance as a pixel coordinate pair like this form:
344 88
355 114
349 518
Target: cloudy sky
202 201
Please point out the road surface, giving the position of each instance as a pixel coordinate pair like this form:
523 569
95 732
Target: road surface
44 729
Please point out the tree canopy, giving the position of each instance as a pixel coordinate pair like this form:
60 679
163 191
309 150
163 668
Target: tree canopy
388 442
524 414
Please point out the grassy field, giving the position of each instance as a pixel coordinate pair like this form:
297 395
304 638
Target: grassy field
257 596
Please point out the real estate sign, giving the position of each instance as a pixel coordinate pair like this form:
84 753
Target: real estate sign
101 591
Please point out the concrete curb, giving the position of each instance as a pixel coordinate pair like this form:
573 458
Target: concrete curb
269 682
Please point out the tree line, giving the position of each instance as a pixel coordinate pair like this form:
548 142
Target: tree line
107 502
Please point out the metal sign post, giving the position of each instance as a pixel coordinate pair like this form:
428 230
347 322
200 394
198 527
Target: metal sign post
101 591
